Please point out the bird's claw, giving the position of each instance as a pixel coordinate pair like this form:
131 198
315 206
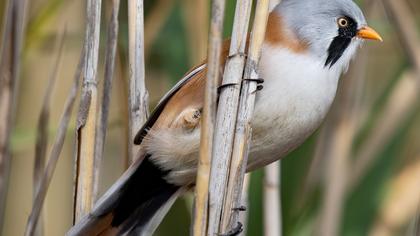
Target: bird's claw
241 208
235 231
219 89
241 54
259 80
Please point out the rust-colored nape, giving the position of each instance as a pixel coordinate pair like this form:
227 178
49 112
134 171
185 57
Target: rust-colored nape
276 34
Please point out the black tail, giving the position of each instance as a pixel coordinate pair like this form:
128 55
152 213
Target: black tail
131 203
144 193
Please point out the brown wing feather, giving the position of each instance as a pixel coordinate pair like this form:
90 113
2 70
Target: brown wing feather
188 93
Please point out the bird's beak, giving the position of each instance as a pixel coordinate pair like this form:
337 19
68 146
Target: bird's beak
368 33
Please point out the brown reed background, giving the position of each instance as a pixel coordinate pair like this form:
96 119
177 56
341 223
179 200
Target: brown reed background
370 143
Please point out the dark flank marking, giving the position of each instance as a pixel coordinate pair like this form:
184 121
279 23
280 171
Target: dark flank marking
341 42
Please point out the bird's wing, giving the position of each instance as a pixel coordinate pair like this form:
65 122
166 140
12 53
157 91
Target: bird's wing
191 75
187 93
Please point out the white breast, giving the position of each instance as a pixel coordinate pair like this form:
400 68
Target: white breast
297 94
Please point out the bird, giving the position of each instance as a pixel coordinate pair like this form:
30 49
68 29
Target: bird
308 45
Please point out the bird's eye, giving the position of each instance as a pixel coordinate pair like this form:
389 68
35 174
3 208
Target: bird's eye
342 22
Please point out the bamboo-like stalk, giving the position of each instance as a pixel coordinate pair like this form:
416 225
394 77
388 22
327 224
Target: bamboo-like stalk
87 117
55 152
10 58
138 99
272 203
42 133
246 107
208 120
245 203
227 112
112 39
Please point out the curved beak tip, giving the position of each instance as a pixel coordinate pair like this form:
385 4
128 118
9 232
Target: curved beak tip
369 33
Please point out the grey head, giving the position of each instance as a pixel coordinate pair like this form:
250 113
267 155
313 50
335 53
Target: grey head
328 27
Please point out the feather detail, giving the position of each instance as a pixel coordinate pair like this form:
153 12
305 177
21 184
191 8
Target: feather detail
277 35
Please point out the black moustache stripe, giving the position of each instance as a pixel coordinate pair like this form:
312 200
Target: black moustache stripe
336 49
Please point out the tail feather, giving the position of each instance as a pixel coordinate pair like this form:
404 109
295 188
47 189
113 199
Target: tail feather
137 202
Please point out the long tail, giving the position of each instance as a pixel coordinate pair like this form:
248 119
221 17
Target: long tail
135 204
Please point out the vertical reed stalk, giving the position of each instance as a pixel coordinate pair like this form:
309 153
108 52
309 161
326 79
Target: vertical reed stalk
87 117
10 59
243 130
208 119
110 54
272 203
227 112
138 99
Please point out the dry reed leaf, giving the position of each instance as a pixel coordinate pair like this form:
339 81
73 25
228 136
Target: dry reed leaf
138 95
56 150
42 131
87 116
10 60
208 119
110 55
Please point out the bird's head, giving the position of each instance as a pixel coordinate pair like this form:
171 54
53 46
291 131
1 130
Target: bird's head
331 29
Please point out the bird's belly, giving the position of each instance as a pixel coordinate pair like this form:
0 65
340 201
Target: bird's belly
277 133
289 108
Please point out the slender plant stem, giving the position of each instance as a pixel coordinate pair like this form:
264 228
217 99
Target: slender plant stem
138 99
242 137
87 117
272 203
228 109
10 61
110 55
208 119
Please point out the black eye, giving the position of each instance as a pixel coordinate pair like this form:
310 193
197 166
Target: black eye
343 22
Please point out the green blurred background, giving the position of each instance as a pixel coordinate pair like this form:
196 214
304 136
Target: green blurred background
382 202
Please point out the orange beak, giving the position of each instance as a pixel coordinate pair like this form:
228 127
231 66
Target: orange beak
368 33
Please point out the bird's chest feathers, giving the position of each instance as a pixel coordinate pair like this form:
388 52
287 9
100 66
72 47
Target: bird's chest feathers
297 94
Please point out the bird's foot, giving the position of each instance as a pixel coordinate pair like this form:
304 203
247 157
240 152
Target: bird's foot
235 231
240 54
223 86
241 208
259 80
